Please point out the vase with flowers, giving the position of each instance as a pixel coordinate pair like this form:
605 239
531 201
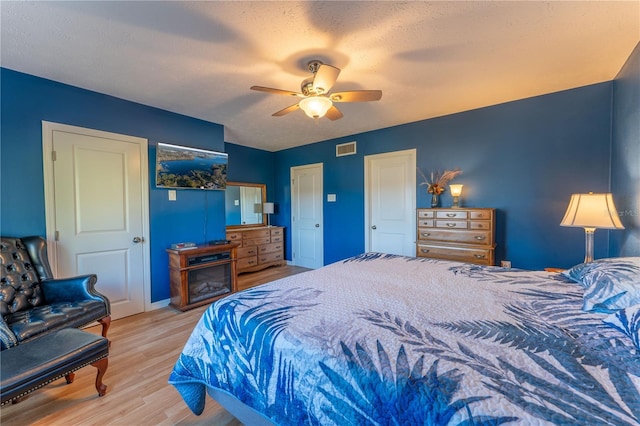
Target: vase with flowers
438 183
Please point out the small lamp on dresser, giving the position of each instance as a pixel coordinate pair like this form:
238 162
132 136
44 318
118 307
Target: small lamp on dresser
456 191
268 209
591 211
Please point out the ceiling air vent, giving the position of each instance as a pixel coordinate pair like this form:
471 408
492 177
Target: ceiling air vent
343 149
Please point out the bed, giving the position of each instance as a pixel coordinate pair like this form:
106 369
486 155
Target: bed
381 339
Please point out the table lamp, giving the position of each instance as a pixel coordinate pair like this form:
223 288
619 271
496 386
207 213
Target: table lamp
268 209
456 191
591 211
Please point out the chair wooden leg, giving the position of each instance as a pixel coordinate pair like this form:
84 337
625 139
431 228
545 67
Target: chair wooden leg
70 377
106 322
101 365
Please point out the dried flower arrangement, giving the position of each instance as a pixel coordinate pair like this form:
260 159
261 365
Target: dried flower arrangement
438 183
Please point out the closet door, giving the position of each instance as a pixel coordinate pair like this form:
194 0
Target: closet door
307 238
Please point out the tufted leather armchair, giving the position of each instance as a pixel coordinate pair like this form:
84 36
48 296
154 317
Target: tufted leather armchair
32 302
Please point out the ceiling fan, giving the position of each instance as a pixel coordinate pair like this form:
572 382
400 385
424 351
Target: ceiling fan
316 100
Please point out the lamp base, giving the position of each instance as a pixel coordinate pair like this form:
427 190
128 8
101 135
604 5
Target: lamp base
588 244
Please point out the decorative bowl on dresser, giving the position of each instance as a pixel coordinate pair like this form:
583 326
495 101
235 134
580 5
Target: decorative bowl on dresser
260 247
461 234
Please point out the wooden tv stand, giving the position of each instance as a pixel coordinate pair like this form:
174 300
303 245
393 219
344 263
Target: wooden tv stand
202 274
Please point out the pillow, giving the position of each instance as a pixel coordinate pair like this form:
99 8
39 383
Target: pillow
628 321
610 284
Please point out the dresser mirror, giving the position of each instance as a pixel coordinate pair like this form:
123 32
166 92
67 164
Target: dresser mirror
243 204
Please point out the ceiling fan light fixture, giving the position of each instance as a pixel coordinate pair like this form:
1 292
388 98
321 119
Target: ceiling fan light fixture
315 106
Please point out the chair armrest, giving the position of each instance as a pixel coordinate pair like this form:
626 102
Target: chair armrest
74 289
7 338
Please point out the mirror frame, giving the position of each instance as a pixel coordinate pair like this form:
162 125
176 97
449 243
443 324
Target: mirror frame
263 187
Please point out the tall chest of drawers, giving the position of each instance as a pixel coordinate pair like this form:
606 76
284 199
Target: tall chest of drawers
461 234
260 247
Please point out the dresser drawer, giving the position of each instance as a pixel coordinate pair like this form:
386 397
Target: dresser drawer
466 237
481 214
426 214
451 214
247 262
277 238
277 232
269 248
480 224
452 224
247 251
426 223
256 241
257 233
270 257
234 236
457 253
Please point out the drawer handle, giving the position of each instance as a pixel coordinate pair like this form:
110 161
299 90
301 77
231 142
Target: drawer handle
479 256
480 237
424 250
451 225
251 262
451 215
426 234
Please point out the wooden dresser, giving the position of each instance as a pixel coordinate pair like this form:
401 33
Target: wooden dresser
260 247
461 234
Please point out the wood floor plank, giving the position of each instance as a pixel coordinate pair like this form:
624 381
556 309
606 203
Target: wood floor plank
143 350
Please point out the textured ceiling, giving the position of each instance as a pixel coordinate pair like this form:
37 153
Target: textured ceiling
428 58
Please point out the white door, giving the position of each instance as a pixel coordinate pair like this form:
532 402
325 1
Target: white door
251 205
306 216
99 211
390 202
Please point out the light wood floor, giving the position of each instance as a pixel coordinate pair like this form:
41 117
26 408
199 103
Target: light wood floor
143 350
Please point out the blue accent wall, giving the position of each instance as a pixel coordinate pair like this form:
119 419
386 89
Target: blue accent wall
625 157
524 158
251 165
28 100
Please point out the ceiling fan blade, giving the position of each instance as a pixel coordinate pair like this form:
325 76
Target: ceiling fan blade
286 110
276 91
333 113
325 78
357 96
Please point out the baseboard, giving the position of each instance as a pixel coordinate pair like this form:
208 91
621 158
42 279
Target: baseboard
157 305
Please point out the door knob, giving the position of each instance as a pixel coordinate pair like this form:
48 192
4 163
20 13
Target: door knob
138 239
317 225
374 227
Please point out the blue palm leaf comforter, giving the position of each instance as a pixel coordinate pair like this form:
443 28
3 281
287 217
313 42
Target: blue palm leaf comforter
390 340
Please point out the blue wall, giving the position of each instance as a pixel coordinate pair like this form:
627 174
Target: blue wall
524 158
248 165
27 100
251 165
625 157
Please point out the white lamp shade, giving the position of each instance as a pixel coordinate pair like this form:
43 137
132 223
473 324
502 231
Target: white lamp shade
592 211
268 208
456 189
315 106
